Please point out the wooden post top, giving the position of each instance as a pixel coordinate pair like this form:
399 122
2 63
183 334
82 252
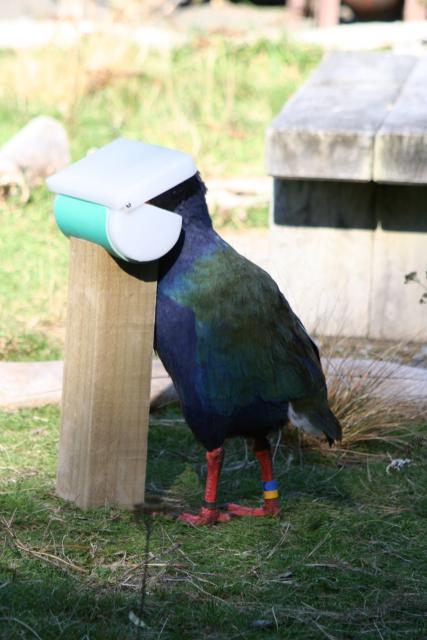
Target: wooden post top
359 117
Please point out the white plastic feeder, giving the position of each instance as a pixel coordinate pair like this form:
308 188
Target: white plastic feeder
103 198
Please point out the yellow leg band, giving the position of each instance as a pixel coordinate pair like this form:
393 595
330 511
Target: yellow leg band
269 495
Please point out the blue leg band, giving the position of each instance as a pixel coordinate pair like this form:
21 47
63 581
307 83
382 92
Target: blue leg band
271 485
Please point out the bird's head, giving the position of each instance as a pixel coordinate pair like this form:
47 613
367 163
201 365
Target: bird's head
188 200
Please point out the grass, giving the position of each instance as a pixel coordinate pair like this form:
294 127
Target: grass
212 98
32 280
346 559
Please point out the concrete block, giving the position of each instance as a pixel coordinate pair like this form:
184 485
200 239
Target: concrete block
314 203
399 247
395 312
400 153
342 240
327 129
321 252
340 252
402 208
325 275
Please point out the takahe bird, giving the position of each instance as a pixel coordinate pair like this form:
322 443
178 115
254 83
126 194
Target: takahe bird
241 361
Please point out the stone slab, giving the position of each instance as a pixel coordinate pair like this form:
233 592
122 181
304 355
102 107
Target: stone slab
35 384
401 143
327 129
30 384
397 382
393 382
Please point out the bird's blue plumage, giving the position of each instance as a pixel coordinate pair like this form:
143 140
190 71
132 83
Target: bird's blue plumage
237 354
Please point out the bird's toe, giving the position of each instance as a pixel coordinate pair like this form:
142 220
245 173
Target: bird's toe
204 517
257 512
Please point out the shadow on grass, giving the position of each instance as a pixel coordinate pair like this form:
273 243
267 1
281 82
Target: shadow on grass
346 558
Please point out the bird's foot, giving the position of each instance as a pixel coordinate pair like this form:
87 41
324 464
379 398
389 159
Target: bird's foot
270 508
205 517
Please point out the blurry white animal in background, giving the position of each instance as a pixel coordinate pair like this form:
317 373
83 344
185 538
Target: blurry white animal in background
35 152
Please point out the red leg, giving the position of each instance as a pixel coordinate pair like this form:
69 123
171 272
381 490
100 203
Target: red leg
271 495
209 514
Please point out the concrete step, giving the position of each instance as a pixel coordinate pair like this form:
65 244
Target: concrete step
35 384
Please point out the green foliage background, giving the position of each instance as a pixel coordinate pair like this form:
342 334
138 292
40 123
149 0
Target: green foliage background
212 98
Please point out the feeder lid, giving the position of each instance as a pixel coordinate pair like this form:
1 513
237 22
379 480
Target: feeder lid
124 173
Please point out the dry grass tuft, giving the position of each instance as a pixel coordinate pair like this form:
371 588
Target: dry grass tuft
365 400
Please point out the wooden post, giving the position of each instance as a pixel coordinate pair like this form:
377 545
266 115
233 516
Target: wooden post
107 375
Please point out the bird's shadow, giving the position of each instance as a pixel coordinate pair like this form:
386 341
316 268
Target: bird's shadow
176 469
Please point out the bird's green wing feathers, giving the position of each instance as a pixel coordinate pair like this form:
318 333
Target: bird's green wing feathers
250 344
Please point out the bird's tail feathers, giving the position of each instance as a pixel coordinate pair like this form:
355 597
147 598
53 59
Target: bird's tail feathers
316 418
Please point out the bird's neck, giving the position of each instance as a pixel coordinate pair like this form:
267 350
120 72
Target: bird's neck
196 240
